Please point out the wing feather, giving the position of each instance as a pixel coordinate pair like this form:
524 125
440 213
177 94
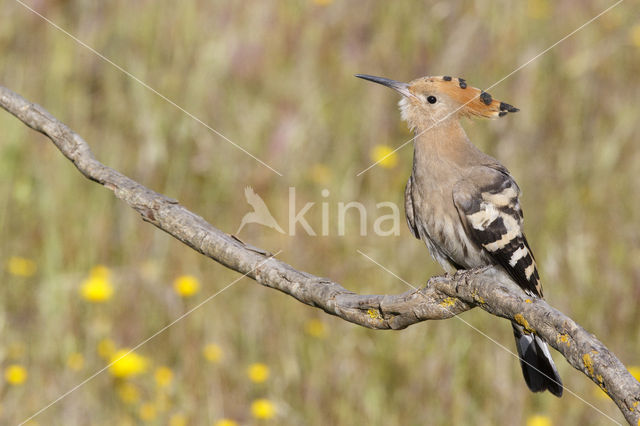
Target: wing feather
409 209
488 205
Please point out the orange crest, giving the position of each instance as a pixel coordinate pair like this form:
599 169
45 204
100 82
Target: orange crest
472 101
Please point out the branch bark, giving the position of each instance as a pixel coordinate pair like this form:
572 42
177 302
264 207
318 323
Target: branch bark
443 297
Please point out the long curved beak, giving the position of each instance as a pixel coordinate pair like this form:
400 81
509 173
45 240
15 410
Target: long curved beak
398 86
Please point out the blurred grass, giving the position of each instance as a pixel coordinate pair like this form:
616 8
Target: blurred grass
276 78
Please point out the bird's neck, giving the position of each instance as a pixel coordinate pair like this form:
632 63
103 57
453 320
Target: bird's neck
443 145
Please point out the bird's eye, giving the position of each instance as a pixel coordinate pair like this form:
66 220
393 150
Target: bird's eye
432 99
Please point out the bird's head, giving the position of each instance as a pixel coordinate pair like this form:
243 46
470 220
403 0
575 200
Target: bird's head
427 101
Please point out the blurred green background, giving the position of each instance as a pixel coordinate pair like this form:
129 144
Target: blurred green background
84 278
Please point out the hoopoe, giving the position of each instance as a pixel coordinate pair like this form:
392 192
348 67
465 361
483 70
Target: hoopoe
464 204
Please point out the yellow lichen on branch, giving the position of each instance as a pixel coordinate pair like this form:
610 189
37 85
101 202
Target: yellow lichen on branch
563 338
477 297
523 322
449 301
588 363
374 314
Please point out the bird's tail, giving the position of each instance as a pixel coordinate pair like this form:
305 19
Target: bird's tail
538 368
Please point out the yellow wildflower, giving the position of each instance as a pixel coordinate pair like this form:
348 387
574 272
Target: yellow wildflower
15 374
97 288
21 266
178 419
539 420
212 352
147 412
128 393
186 285
225 422
262 409
163 376
125 363
635 371
75 361
106 348
384 155
634 35
316 328
258 372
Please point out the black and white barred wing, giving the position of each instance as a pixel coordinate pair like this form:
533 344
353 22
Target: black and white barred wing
488 205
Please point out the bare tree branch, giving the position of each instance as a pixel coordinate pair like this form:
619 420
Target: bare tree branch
442 297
